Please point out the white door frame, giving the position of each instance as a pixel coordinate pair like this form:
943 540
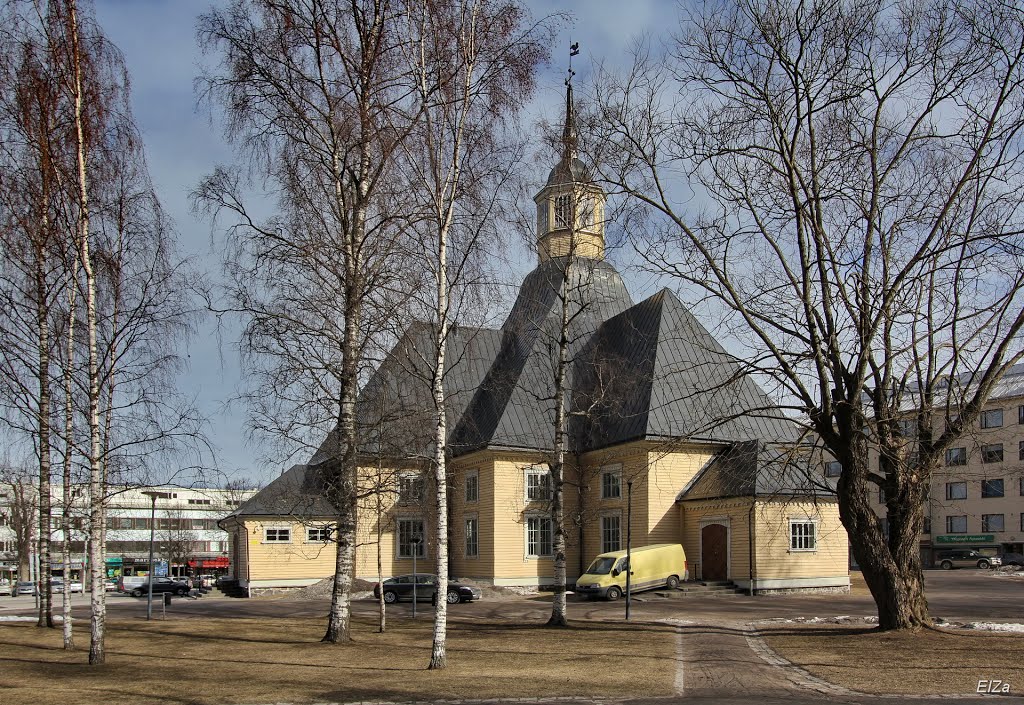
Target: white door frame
724 521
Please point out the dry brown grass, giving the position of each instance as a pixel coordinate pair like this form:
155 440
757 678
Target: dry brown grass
921 663
857 584
280 659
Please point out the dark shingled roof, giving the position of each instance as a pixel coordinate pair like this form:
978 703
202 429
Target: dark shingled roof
299 491
654 371
755 469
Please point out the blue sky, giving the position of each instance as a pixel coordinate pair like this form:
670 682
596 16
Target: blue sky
183 143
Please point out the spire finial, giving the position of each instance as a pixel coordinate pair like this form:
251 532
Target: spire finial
569 131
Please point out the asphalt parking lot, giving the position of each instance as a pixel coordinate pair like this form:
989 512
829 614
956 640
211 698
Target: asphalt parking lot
952 595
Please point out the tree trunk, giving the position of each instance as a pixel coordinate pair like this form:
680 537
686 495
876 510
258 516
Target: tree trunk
892 571
559 608
438 654
43 376
381 605
69 429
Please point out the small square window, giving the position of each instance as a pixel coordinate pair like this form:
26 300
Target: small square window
956 456
277 535
802 535
538 484
410 489
956 490
833 468
956 525
992 488
992 453
993 418
992 522
318 534
611 485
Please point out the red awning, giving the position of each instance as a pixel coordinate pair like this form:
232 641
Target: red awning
220 562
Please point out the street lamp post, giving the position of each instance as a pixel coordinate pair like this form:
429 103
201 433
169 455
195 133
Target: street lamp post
415 541
153 496
629 546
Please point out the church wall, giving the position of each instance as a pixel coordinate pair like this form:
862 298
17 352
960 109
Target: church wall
558 244
670 471
780 568
292 563
480 567
382 505
734 514
630 461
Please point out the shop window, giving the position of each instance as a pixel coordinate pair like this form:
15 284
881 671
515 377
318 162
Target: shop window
992 488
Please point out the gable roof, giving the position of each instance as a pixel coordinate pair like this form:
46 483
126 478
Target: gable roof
755 469
298 491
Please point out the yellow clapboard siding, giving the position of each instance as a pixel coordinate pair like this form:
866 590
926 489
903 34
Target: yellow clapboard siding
774 557
734 514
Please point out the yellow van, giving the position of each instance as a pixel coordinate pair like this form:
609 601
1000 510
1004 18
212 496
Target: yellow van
662 564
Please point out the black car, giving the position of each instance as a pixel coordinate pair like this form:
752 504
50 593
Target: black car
162 585
400 588
1016 559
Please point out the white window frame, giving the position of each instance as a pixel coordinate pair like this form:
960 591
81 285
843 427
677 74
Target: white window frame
561 211
605 546
956 456
475 476
551 536
416 481
475 553
537 471
318 534
796 539
277 536
611 471
407 555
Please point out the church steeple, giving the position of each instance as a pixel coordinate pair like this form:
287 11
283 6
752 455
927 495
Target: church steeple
570 207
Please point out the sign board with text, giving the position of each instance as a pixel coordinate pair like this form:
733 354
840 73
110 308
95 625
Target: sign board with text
966 538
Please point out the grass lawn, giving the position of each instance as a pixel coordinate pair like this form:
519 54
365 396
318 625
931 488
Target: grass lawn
281 659
926 662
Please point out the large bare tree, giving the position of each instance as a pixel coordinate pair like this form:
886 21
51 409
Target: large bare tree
842 182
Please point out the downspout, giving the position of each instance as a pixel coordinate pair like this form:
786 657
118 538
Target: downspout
752 565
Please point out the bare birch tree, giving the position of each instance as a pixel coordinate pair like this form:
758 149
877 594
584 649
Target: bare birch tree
316 95
854 209
473 62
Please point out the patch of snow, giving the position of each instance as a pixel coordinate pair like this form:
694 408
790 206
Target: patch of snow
675 621
996 627
25 618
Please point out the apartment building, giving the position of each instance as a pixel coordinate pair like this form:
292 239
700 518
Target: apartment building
976 498
183 525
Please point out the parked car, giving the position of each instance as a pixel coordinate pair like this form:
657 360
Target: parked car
660 565
8 588
1016 559
110 585
57 585
26 587
400 588
966 558
162 585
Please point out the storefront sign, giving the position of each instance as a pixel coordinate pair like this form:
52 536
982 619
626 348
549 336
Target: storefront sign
966 538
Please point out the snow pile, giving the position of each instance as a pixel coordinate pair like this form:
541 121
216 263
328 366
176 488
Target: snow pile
26 618
995 627
839 619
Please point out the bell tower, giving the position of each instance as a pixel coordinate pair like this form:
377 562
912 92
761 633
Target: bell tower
570 207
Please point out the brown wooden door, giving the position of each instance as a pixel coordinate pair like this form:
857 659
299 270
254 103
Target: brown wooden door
714 552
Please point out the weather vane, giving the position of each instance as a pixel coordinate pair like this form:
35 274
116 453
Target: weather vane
574 49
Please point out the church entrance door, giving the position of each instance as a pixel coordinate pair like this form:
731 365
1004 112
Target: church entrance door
714 549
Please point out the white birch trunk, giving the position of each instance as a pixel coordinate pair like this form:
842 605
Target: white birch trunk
69 428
